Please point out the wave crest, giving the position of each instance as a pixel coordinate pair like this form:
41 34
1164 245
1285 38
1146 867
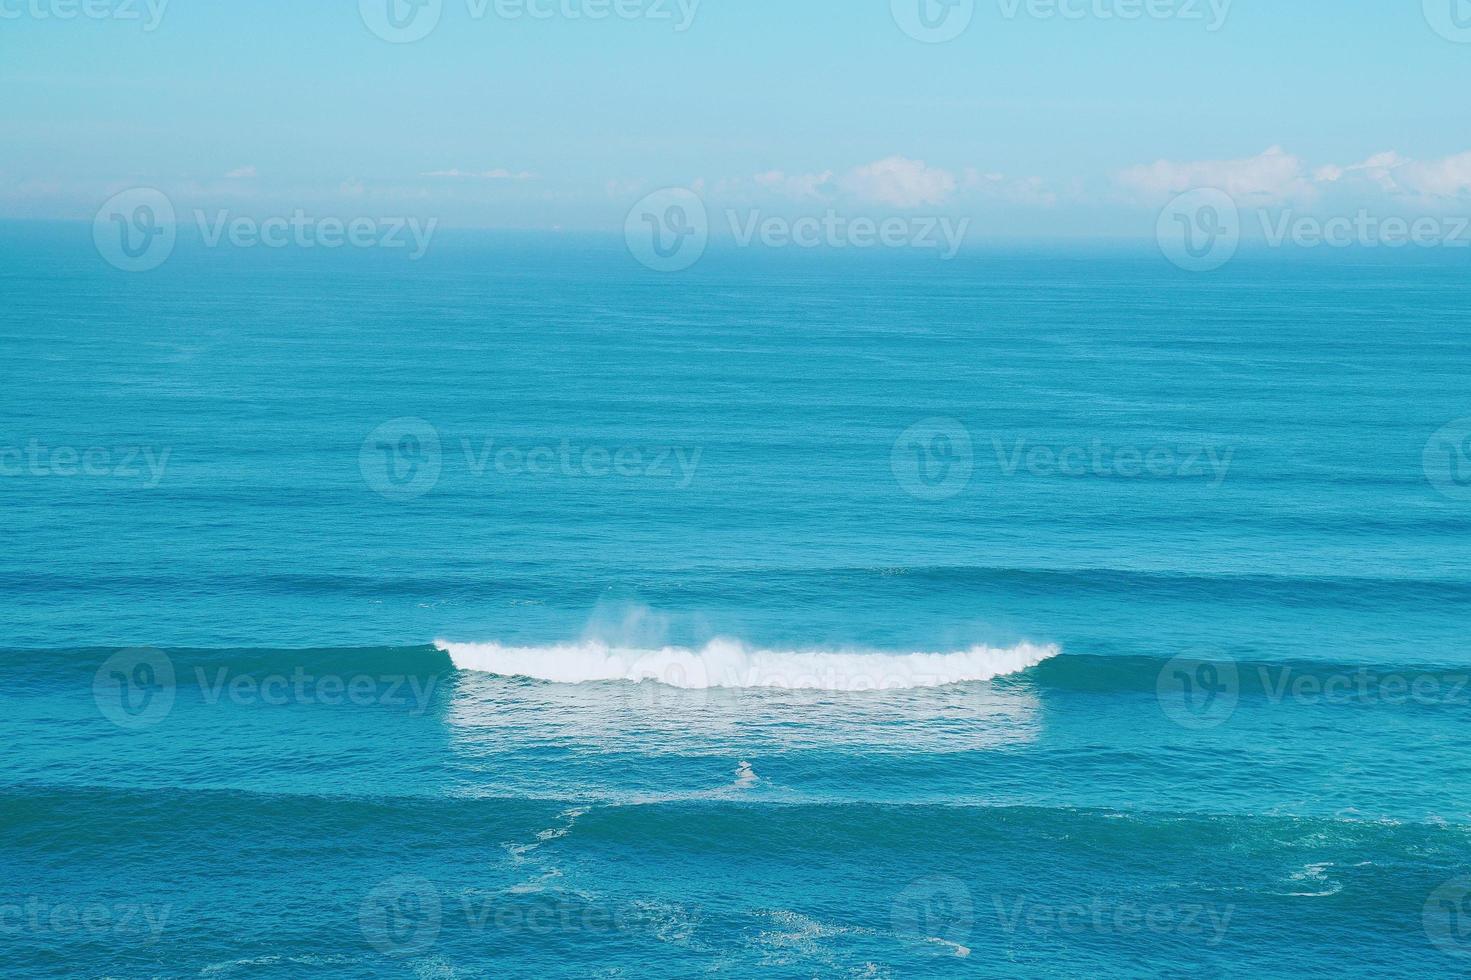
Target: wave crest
730 664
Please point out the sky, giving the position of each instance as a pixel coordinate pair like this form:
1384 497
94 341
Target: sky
1029 117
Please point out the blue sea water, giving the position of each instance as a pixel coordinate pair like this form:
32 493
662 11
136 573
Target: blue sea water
520 611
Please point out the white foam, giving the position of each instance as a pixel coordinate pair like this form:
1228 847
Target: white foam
959 950
745 777
729 664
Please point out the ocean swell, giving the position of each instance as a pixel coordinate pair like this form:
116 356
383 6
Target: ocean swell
730 664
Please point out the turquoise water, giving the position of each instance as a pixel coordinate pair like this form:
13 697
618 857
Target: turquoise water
519 611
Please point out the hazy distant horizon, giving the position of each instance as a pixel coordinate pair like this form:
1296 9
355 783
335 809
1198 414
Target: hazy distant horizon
547 116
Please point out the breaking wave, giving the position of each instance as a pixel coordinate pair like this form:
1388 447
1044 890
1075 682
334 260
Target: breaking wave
730 664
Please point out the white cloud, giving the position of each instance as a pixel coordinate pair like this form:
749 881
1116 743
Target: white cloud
240 173
1377 169
1271 177
798 187
1278 177
618 189
899 182
497 174
1012 190
1448 177
894 182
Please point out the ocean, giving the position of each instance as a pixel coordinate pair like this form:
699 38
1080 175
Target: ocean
523 611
